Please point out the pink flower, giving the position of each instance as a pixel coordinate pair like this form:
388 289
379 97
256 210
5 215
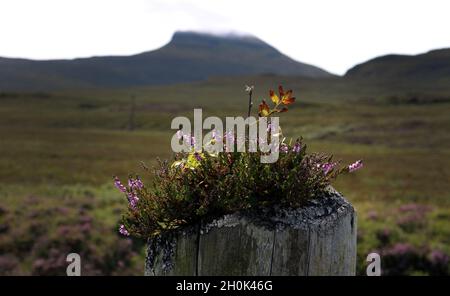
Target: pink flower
400 249
133 200
186 139
123 230
179 134
355 166
119 185
138 183
327 167
297 147
135 184
439 257
229 137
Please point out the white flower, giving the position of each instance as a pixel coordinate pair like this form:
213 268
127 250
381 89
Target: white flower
249 88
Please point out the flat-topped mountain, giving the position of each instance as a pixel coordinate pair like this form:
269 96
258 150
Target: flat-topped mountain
188 57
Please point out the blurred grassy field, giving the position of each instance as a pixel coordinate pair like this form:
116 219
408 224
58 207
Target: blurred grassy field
59 151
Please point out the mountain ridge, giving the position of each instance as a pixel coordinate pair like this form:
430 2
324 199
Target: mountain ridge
188 57
428 66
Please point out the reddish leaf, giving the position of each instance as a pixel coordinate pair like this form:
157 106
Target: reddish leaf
287 99
281 91
275 99
264 109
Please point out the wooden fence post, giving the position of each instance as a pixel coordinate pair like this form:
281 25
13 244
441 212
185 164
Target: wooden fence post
317 239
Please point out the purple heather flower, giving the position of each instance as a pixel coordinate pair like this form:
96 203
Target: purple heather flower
414 207
197 156
284 148
411 220
135 184
229 137
123 230
372 215
400 249
355 166
139 183
408 208
439 258
297 147
133 200
215 137
327 167
119 185
186 139
218 137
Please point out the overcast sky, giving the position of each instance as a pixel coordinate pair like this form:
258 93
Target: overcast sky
331 34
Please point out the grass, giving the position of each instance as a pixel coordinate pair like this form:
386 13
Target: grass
60 150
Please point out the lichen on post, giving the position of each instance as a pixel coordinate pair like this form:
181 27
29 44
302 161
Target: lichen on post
316 239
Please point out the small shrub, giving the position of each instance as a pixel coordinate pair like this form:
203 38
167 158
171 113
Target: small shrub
384 236
8 264
405 259
199 185
412 216
40 245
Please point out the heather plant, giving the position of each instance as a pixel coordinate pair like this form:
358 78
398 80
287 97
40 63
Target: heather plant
37 237
197 186
407 237
403 259
412 217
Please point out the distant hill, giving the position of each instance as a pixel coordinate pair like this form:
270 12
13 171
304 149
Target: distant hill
188 57
427 67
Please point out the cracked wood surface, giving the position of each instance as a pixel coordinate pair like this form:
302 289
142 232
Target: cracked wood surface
319 239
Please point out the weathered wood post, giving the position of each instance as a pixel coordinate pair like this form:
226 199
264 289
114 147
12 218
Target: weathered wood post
317 239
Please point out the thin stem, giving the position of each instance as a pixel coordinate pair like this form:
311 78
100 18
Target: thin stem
250 103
